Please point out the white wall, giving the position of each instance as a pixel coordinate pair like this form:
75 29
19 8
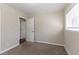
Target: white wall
0 29
72 42
10 26
71 38
49 28
68 7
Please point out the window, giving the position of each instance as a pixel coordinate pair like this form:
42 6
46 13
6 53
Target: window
72 19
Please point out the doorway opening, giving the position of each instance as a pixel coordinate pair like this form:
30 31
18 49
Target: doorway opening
22 30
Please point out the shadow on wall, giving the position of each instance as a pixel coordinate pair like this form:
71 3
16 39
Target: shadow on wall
72 41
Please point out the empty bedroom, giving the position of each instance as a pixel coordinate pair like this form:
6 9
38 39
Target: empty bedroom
39 29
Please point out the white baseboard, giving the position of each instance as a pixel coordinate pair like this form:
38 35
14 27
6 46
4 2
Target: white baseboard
67 50
9 48
49 43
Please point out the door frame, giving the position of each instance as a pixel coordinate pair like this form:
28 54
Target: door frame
21 18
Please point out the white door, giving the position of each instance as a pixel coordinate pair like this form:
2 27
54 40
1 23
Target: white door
30 29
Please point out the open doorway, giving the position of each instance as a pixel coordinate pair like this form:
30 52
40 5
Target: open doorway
22 30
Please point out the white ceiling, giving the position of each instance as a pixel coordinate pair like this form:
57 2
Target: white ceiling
36 8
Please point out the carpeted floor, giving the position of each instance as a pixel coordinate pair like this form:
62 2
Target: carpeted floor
30 48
